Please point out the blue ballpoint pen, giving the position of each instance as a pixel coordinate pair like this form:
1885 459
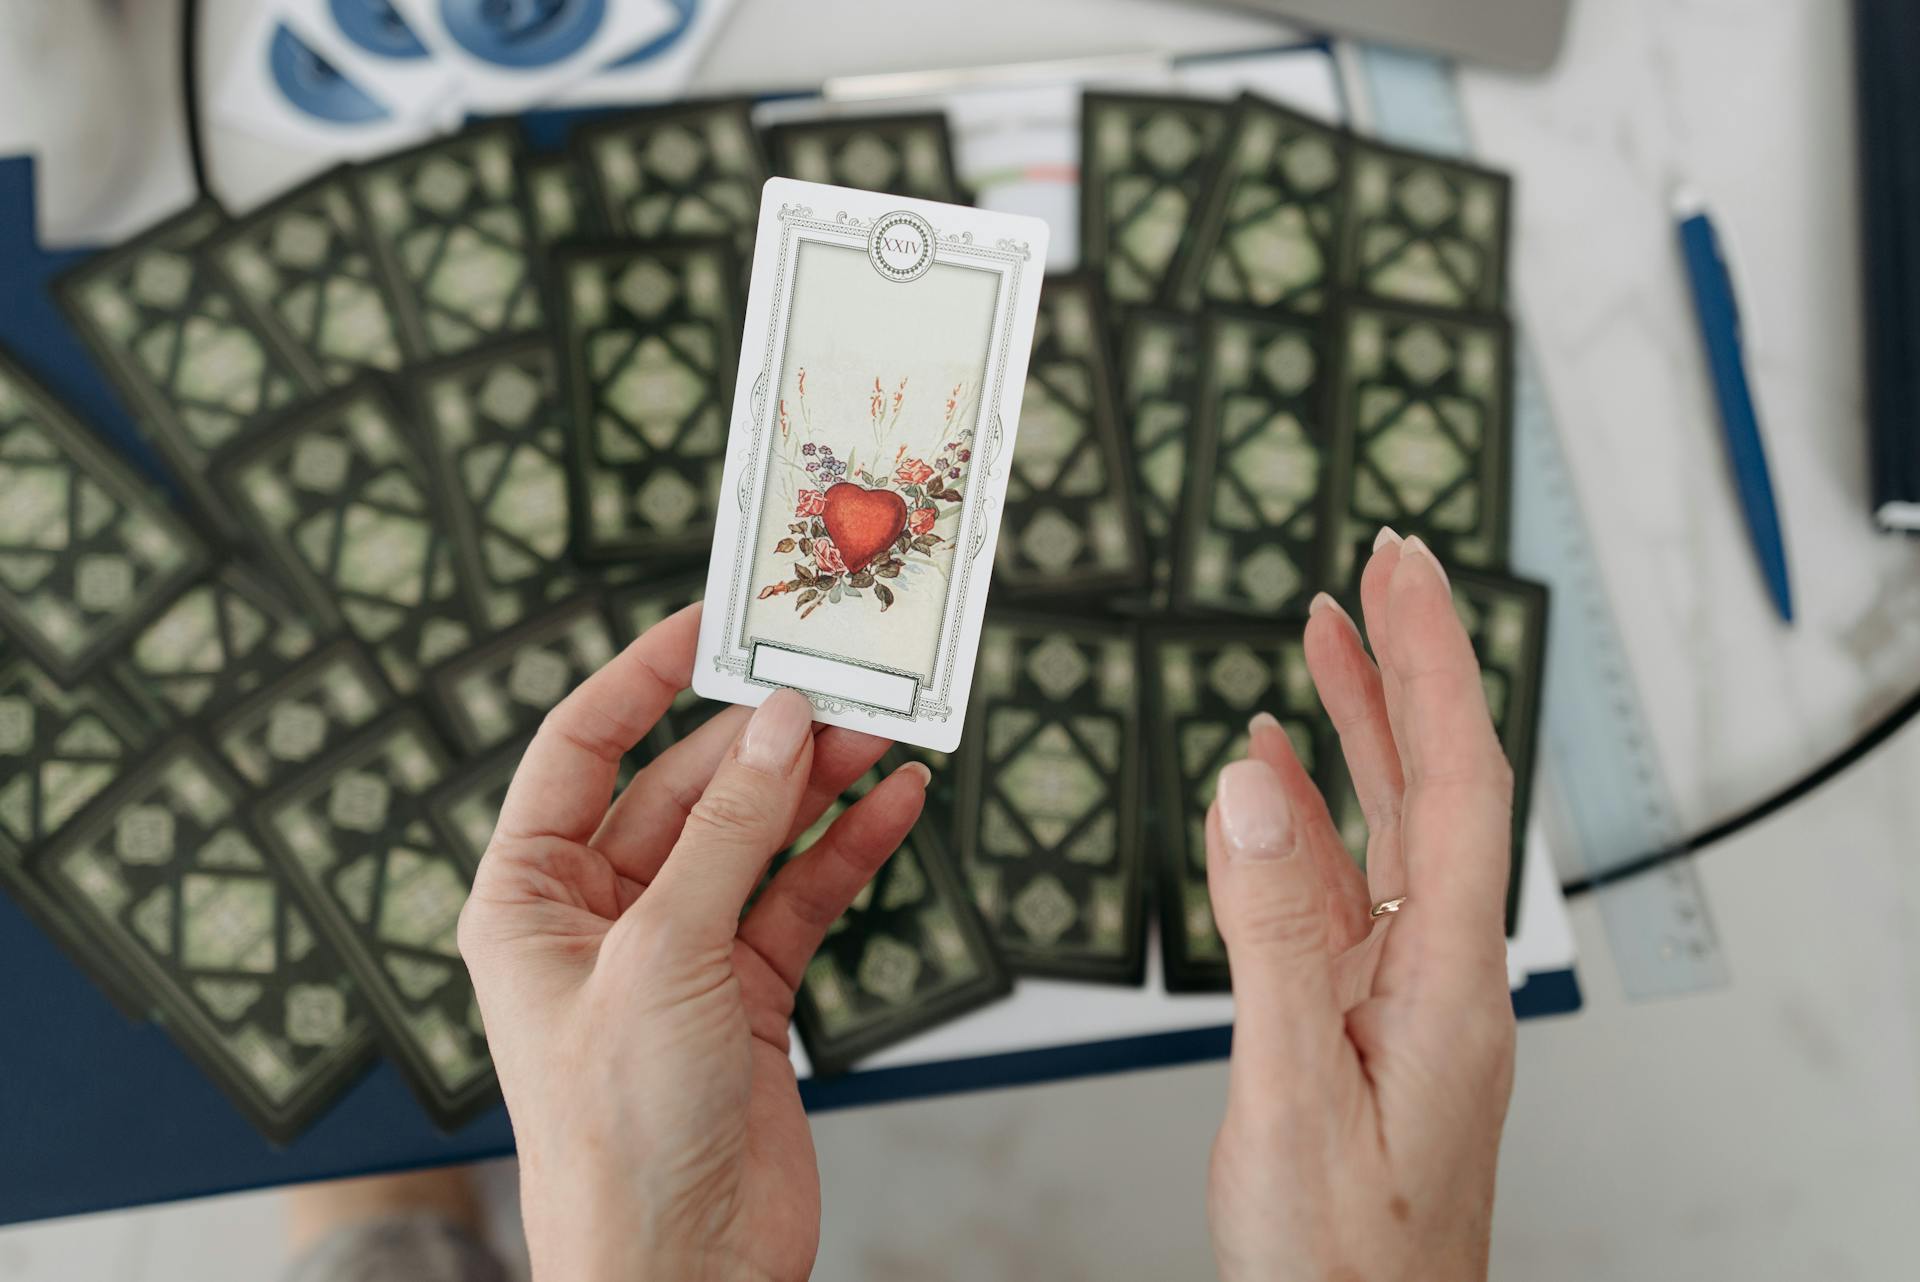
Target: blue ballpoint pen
1719 317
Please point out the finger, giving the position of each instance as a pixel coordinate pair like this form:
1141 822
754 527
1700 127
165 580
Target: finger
738 824
566 777
808 895
1271 909
1457 812
1344 887
1351 691
646 819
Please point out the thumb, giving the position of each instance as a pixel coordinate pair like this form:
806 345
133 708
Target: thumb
1271 907
740 822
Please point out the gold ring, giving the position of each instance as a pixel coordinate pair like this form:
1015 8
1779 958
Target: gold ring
1386 906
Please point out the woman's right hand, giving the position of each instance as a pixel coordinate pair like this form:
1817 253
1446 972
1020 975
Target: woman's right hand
1372 1058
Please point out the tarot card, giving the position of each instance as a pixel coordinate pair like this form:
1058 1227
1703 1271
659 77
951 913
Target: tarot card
369 42
1423 403
1144 165
346 506
637 608
649 335
1425 229
869 457
306 271
1069 525
1160 356
560 202
220 640
281 87
507 57
1260 513
902 155
1507 620
1268 233
169 877
89 552
1207 682
497 436
1049 811
292 723
909 953
60 748
502 689
659 69
354 838
466 808
177 345
449 222
690 169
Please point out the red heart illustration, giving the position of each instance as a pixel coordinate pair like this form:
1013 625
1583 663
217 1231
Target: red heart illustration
862 523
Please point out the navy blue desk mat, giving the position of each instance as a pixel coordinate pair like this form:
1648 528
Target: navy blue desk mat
97 1112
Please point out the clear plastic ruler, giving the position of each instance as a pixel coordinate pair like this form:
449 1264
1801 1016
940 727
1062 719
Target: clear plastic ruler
1611 800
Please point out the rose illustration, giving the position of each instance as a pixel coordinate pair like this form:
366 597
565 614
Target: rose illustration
827 556
920 520
812 503
913 472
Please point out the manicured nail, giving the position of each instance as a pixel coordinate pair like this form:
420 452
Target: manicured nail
1263 721
917 770
1423 555
1385 537
1253 815
1321 601
775 732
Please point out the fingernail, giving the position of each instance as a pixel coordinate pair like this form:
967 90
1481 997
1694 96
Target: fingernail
1423 555
917 770
1253 815
1321 601
1385 537
775 732
1263 721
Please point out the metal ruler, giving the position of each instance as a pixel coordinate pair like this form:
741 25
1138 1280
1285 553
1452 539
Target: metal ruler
1610 799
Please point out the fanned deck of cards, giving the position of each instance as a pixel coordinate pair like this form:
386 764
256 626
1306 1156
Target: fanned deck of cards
448 426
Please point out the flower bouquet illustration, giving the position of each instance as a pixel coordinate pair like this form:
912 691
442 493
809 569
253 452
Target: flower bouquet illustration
867 530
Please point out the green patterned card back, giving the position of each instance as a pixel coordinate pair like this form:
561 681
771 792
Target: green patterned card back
502 690
497 436
355 839
1160 387
637 608
169 877
560 200
179 347
87 551
306 271
1144 165
1423 401
346 506
1259 510
1424 229
1268 234
909 953
689 169
1068 524
650 334
910 155
1207 683
1050 805
1507 620
466 807
289 725
59 749
223 638
449 222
